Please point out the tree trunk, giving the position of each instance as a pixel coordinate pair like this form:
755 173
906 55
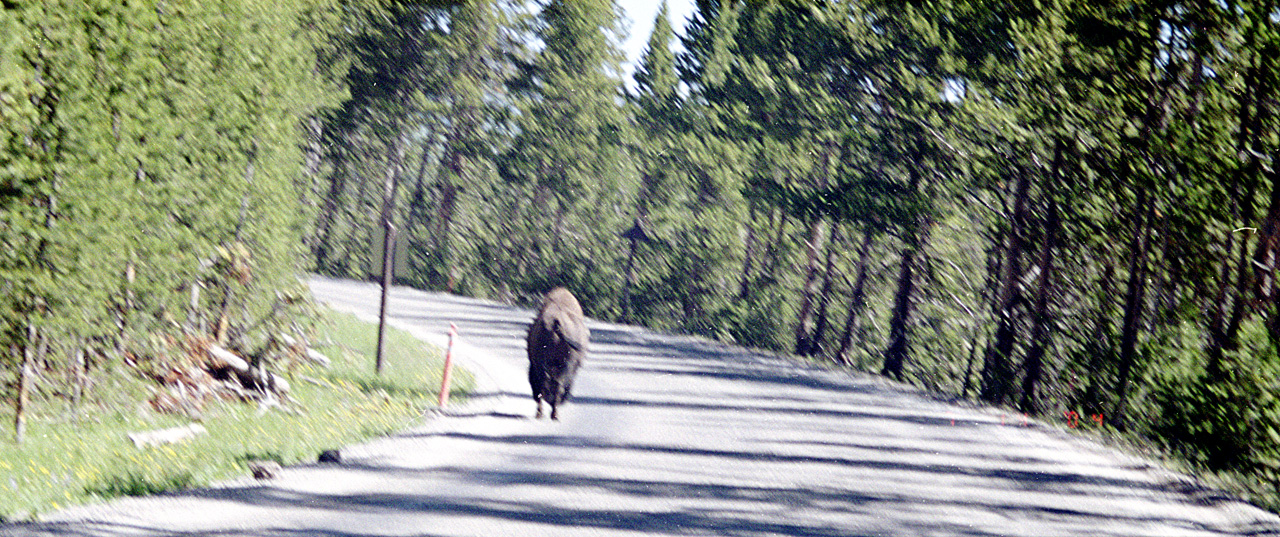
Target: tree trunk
744 282
417 225
856 299
895 355
32 353
1133 302
21 402
1099 345
824 301
1040 335
324 220
629 278
1223 332
442 221
769 269
122 315
968 369
997 371
224 308
1265 256
1165 294
81 376
444 217
804 322
312 159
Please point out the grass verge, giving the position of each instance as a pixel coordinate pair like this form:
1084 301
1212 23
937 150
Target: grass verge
82 456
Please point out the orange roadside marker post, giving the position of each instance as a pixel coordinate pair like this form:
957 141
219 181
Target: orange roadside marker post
448 366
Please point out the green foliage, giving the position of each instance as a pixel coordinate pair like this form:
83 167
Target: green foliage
80 453
1223 419
754 323
1056 197
151 159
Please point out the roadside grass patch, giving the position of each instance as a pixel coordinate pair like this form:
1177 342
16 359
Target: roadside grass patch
137 484
81 455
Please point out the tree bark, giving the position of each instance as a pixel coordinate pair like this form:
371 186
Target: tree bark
1133 302
1099 345
856 299
744 282
804 322
997 370
1040 333
769 269
1265 257
895 355
824 301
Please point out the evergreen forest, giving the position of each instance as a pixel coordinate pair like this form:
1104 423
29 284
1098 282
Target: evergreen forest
1063 207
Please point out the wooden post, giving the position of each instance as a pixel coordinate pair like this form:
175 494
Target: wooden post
387 261
20 403
448 366
388 243
629 278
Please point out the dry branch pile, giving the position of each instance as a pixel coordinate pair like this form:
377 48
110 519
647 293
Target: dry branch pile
210 371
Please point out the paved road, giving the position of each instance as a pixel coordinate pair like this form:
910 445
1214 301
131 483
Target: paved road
671 435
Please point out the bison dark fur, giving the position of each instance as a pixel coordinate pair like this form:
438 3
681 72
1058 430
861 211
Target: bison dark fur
557 346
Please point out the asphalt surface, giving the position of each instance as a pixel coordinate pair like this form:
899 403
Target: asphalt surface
679 436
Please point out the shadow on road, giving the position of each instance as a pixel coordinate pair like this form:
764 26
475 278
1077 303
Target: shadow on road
885 464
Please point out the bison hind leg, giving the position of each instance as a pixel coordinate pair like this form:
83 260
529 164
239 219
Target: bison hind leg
558 398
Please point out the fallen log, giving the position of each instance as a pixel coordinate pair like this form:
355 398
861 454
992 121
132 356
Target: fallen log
310 353
317 357
166 436
221 358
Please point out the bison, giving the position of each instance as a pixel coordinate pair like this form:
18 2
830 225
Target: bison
557 345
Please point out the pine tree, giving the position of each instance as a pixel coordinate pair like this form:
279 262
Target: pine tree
569 154
465 88
157 138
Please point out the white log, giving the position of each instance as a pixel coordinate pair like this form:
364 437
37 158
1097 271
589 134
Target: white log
221 357
277 383
166 436
318 358
311 354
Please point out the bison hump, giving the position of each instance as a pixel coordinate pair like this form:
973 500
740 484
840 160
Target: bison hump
560 298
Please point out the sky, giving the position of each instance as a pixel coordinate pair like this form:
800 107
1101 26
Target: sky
641 14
